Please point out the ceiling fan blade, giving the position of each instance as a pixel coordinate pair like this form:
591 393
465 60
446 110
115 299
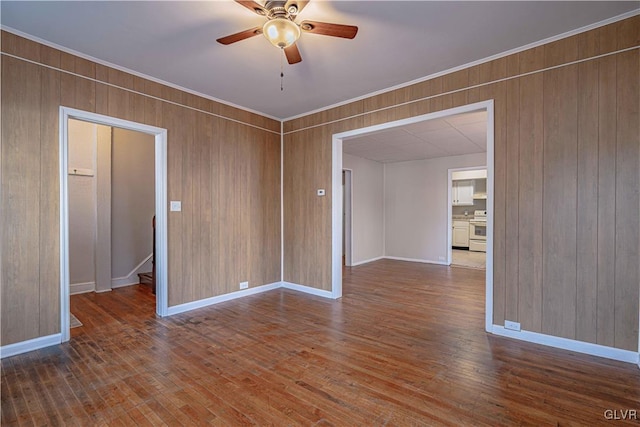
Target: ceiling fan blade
240 36
300 4
327 29
293 54
252 6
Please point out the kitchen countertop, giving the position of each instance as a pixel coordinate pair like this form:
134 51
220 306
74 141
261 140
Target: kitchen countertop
462 217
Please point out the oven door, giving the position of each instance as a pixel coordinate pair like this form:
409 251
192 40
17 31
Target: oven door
477 230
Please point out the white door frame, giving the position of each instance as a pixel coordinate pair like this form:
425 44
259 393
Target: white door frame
450 206
336 197
348 216
160 135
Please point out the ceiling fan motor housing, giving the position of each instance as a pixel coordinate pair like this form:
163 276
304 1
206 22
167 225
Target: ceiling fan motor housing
279 9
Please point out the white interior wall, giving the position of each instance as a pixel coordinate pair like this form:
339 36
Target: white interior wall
82 203
367 209
132 205
416 206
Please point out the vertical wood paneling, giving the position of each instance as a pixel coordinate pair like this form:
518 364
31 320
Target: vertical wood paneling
242 178
544 184
174 121
530 192
31 96
497 92
560 202
555 238
77 92
512 190
190 208
206 255
587 204
627 218
20 207
607 125
308 216
49 196
234 209
264 251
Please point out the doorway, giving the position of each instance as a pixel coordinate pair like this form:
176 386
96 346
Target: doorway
466 217
337 196
160 179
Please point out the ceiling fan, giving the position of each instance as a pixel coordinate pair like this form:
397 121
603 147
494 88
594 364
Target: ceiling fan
281 29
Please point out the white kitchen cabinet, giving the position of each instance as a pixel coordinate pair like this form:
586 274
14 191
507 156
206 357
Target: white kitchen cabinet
462 193
460 236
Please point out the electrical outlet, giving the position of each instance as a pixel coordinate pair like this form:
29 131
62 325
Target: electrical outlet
514 326
175 206
244 285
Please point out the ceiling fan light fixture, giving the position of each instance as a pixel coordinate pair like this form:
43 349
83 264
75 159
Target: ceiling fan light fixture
281 32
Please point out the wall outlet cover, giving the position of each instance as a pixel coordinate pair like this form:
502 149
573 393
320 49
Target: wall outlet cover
175 206
321 192
244 285
514 326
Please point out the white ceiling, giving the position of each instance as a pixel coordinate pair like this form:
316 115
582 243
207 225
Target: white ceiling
397 42
449 136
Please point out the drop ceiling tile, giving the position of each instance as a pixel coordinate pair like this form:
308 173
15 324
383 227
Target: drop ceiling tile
476 132
423 150
438 135
426 126
466 118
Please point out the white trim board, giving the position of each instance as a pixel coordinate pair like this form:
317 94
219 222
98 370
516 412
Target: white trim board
568 344
130 279
367 261
161 208
181 308
423 261
308 290
193 305
29 345
81 288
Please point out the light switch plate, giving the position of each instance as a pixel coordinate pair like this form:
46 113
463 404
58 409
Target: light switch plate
321 192
176 206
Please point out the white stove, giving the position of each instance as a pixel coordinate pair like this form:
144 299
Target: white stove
479 216
478 231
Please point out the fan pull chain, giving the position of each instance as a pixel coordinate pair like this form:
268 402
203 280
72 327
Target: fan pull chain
282 71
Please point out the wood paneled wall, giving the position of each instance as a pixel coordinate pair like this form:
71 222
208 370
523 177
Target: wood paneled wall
567 162
225 172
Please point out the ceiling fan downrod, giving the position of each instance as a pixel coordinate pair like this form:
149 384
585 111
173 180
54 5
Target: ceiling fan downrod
282 71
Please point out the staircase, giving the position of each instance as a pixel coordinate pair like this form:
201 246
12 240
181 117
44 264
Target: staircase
146 278
150 278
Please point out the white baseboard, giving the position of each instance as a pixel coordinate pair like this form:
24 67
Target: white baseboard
569 344
181 308
29 345
423 261
124 281
132 277
308 290
366 261
81 288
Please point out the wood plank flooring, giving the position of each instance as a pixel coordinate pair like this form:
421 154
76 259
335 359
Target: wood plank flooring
405 346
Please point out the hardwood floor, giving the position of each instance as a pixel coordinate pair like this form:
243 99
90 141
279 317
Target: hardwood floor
404 346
